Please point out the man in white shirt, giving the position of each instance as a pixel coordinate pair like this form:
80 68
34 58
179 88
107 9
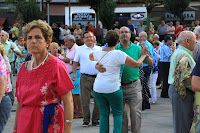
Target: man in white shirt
88 75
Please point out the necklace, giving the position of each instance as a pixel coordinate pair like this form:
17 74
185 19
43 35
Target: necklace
40 63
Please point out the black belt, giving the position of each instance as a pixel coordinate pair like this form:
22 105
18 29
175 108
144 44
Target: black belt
90 75
130 82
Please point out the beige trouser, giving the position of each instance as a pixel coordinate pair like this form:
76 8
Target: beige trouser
132 94
86 86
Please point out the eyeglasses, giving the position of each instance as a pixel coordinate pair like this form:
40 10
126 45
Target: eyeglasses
88 37
126 32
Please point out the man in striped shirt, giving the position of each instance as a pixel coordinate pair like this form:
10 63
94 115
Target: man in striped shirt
166 52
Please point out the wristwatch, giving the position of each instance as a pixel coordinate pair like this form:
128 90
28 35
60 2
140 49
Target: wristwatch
70 62
68 121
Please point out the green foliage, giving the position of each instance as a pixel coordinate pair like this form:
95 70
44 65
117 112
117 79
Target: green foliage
177 7
107 14
31 11
93 3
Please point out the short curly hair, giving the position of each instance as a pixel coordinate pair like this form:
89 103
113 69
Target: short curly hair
112 38
42 25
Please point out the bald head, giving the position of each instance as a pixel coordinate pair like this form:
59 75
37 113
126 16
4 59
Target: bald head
124 34
187 39
142 36
156 37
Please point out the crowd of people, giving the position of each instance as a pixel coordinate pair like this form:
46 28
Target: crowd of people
59 70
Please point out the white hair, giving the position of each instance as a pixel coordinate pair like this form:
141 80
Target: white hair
185 35
197 31
71 38
144 33
6 33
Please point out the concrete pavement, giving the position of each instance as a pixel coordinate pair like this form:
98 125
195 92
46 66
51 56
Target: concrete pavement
156 120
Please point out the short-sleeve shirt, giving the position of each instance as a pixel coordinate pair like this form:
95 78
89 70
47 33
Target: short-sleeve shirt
40 87
162 30
16 30
112 61
82 56
177 30
7 45
165 53
131 27
129 73
70 53
171 28
174 61
4 71
150 48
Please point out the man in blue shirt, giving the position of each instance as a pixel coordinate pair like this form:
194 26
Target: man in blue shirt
166 52
130 26
146 68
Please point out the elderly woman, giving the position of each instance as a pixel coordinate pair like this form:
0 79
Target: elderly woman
54 50
107 90
41 85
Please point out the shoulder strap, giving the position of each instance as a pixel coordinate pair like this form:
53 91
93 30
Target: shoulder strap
102 57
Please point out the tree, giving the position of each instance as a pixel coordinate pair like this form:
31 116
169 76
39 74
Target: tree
107 14
177 7
31 11
24 8
94 4
149 4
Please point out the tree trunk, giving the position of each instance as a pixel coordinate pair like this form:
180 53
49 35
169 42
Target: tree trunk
97 16
20 17
148 22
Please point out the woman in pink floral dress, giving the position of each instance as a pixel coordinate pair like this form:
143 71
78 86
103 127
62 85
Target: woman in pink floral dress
41 85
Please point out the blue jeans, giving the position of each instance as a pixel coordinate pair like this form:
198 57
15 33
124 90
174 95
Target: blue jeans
105 101
5 109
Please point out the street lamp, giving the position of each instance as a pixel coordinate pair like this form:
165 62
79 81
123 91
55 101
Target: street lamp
48 1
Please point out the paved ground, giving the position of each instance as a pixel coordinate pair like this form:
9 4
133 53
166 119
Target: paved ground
156 120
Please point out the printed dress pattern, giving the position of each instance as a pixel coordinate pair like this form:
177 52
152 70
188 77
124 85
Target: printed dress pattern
37 88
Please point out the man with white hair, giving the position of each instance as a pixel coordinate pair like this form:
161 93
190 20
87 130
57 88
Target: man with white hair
196 51
182 99
146 68
156 38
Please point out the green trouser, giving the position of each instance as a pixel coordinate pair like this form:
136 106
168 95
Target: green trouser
105 101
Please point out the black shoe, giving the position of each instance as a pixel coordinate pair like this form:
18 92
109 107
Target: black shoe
164 96
95 123
147 106
160 87
85 124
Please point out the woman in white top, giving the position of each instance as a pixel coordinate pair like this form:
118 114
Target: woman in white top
107 86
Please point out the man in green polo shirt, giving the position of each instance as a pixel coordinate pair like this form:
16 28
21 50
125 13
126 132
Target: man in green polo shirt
4 36
182 99
9 45
131 85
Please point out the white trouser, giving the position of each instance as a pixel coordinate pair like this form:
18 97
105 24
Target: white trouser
153 86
